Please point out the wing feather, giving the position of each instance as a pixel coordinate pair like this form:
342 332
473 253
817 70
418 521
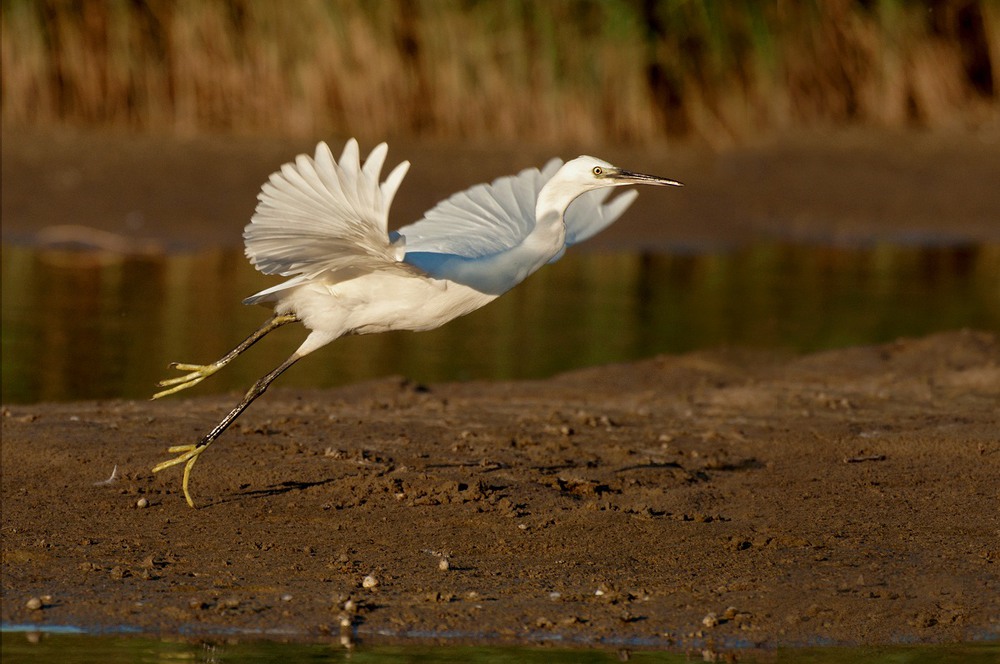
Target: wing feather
590 214
483 220
317 216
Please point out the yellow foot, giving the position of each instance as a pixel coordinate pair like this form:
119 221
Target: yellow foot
199 372
189 455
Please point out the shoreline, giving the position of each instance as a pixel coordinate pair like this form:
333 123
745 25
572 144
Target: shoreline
793 499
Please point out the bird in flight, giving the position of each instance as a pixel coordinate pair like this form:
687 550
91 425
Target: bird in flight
323 223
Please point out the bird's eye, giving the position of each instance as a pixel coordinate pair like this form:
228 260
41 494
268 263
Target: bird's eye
598 170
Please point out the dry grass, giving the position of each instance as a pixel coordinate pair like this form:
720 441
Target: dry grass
563 70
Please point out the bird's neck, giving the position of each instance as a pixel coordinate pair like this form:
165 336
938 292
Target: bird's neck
498 273
550 209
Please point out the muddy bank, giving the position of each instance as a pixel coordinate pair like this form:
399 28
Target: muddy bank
723 498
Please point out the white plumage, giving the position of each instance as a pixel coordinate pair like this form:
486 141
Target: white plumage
323 223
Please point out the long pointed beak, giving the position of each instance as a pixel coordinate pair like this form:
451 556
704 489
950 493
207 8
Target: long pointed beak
628 177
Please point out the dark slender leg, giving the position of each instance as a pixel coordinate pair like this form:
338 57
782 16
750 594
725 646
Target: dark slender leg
190 452
200 372
258 389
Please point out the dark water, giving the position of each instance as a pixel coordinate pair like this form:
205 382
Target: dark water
83 325
77 649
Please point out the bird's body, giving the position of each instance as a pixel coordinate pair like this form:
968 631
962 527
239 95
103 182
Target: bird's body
378 302
324 224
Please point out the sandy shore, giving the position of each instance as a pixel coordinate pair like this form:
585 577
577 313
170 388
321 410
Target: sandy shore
713 498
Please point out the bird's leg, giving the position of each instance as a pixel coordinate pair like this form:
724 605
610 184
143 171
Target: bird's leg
200 372
189 453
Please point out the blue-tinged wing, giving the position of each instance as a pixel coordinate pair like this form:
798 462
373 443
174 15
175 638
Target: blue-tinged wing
489 219
590 214
481 221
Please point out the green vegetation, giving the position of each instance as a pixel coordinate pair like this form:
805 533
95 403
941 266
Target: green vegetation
559 70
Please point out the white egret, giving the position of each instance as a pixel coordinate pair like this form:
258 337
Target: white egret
324 223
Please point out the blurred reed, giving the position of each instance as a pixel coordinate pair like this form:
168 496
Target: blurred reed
554 71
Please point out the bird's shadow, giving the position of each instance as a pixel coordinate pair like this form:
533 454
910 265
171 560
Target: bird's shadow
652 465
273 490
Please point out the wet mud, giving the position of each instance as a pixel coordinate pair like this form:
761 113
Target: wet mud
722 497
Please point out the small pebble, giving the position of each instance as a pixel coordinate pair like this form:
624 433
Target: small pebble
350 606
33 604
287 597
142 503
444 565
369 582
710 620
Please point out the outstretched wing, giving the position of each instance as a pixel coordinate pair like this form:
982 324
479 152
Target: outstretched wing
317 216
488 219
481 221
589 214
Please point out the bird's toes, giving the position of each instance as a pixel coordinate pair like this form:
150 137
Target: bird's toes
167 382
197 368
185 453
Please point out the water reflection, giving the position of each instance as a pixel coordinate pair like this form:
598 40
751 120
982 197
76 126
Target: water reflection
81 325
74 649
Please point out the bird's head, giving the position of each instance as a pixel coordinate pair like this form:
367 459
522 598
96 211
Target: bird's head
592 173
